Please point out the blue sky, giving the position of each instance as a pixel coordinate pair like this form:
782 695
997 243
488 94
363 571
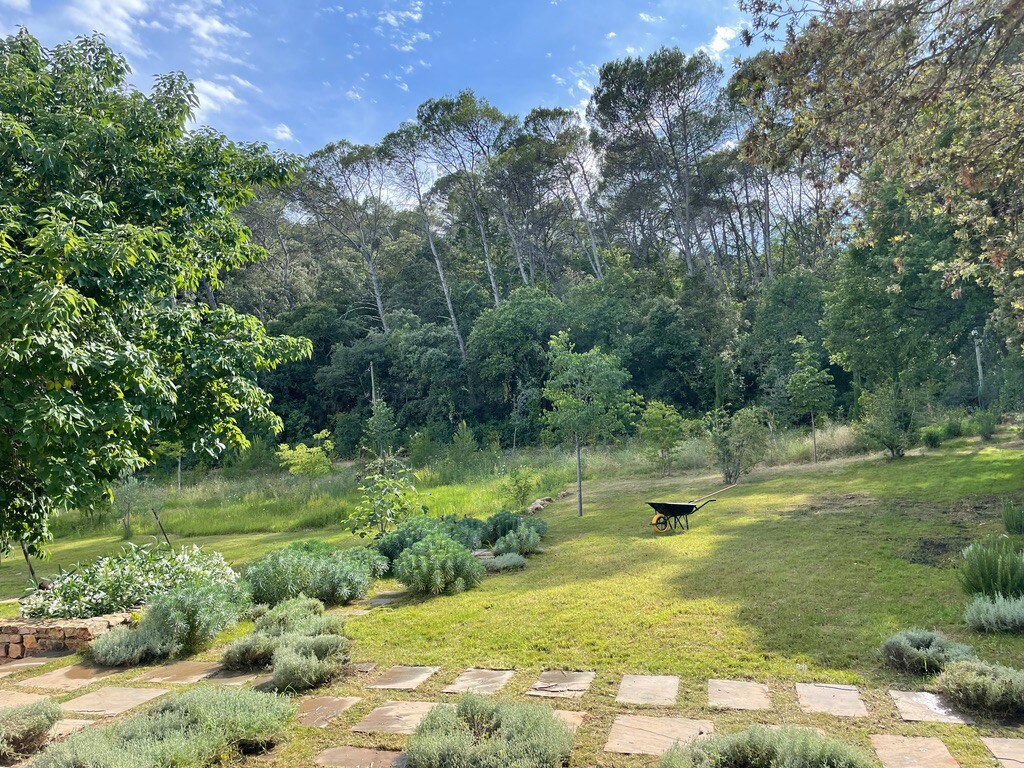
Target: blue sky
299 73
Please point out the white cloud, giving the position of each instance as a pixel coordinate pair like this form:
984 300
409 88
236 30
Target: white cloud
720 42
354 95
209 32
403 86
610 35
283 133
213 97
243 83
18 5
408 42
398 18
116 19
649 18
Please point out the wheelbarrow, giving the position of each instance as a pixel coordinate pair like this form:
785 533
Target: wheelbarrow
667 514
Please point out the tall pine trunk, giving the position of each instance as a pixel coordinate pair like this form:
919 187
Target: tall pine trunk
579 480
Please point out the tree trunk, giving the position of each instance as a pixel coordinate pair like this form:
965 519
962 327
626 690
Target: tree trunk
487 252
444 285
376 293
579 480
768 232
515 241
814 439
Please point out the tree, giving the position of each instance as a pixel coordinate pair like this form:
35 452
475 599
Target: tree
888 417
810 387
308 461
589 399
388 496
115 227
738 440
381 432
661 429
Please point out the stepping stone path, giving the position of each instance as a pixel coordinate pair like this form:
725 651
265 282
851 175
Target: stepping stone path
738 694
655 690
181 672
480 681
319 711
924 707
18 665
66 727
912 752
233 677
112 700
395 717
838 700
18 698
357 757
404 678
572 720
1009 752
69 678
640 735
561 684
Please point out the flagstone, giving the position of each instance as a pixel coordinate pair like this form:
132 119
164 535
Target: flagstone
401 678
562 684
364 667
68 726
655 690
830 699
358 757
319 711
485 681
377 602
738 694
1009 752
572 720
19 665
112 700
236 677
19 698
924 707
641 735
182 672
395 717
69 678
912 752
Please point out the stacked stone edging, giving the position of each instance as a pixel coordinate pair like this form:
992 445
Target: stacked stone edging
25 637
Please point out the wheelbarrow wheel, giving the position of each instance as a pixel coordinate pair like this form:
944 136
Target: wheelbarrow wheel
660 523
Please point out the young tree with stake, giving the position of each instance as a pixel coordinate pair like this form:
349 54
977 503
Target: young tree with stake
810 387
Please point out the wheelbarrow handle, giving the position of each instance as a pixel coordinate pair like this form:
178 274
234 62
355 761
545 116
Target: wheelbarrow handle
701 505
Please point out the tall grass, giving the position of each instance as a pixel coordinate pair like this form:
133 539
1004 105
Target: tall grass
795 447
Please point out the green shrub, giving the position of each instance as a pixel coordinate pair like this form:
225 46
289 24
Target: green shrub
507 562
502 523
522 541
763 747
299 667
985 423
923 652
23 729
470 532
993 567
480 732
438 566
982 687
953 426
120 582
195 729
995 614
316 569
1013 518
467 531
932 436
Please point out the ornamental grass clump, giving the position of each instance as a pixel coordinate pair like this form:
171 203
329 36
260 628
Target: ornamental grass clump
195 729
923 652
438 566
507 562
762 747
993 567
316 569
24 729
480 732
995 614
1013 518
989 688
125 580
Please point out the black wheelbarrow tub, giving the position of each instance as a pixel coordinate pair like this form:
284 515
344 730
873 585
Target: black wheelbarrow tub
669 512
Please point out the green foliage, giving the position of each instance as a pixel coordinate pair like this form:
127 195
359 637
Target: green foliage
763 747
737 441
307 461
994 567
953 425
122 581
502 523
507 562
423 449
809 386
481 732
1013 517
380 434
315 569
24 729
116 226
194 729
517 485
467 531
923 652
995 614
887 419
932 436
661 429
388 496
438 566
984 423
989 688
524 540
463 448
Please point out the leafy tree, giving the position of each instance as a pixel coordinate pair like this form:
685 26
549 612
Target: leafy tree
464 447
589 399
810 387
737 441
888 418
115 226
388 496
381 432
661 428
308 461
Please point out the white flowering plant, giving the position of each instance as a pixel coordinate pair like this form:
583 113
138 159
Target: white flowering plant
124 580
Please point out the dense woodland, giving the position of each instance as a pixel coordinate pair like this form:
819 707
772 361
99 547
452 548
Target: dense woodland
689 223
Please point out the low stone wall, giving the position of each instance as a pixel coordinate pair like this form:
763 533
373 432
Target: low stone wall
25 637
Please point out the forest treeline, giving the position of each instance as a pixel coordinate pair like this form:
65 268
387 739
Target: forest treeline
693 222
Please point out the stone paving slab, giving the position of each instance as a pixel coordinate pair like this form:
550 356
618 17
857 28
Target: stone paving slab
485 681
738 694
641 735
924 707
655 690
182 672
831 699
912 752
112 700
19 698
69 678
357 757
1009 752
364 667
562 684
395 717
68 726
572 720
234 677
319 711
20 665
378 602
401 678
